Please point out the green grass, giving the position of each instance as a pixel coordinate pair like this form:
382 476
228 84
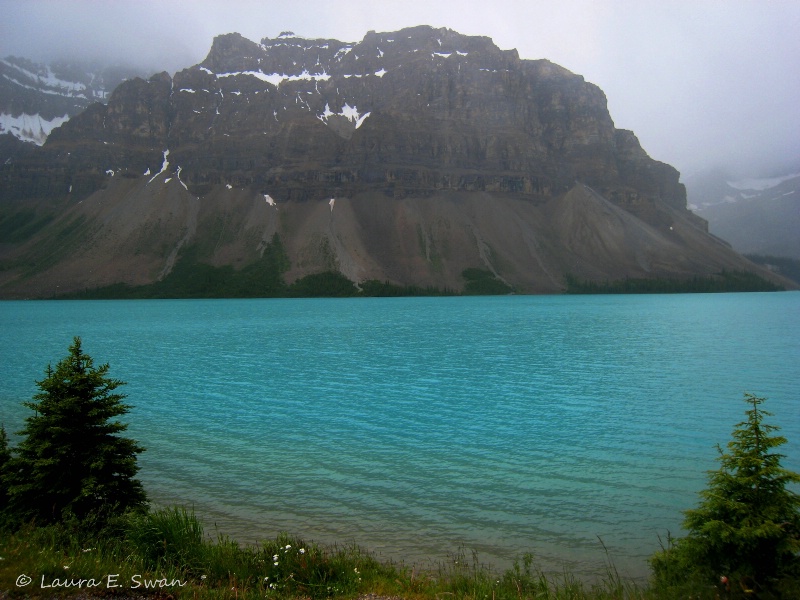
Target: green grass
167 551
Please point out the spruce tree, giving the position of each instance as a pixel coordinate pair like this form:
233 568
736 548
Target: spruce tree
5 458
71 462
746 529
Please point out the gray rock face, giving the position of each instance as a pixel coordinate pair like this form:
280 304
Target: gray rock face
442 151
408 112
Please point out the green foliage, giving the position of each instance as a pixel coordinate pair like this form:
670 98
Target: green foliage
747 526
5 458
5 453
385 289
169 546
298 569
284 566
72 463
725 281
480 282
192 278
166 535
328 284
20 226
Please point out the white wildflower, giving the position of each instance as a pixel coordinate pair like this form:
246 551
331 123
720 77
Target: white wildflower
202 576
288 547
275 563
302 550
275 557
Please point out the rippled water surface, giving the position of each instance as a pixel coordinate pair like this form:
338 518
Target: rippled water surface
415 426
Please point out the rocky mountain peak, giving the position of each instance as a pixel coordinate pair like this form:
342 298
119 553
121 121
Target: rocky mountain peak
409 112
414 121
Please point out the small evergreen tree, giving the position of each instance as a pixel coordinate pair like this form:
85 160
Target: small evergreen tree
5 453
747 525
71 462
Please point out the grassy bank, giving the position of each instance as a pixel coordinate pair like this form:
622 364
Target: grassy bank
166 553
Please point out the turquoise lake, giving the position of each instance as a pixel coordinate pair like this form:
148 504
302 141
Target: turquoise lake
417 426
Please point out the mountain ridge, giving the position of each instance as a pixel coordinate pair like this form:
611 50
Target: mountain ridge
407 157
757 216
36 98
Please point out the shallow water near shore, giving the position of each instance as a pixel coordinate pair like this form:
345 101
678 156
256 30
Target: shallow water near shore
416 426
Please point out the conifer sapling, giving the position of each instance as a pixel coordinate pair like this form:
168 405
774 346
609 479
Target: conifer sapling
72 462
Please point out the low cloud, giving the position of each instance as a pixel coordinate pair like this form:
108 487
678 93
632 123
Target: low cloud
700 84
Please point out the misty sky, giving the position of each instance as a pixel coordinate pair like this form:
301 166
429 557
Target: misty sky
702 83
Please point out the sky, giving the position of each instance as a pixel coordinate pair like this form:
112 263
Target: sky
701 83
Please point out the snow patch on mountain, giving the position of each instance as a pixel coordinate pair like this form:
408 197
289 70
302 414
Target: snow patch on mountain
46 79
164 166
30 128
277 79
178 175
762 184
349 112
342 53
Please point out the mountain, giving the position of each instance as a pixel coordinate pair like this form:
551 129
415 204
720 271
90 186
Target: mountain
35 98
410 157
757 216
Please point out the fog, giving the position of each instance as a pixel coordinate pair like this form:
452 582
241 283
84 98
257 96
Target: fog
702 84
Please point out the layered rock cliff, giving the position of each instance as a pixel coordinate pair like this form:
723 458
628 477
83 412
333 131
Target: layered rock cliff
408 157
